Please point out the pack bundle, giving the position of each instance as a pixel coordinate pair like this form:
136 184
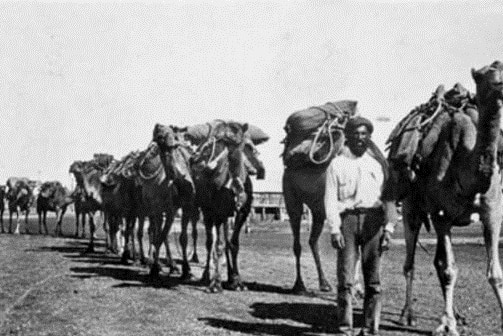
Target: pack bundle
450 115
200 133
102 160
315 135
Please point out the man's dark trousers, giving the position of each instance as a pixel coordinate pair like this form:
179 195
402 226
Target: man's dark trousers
363 228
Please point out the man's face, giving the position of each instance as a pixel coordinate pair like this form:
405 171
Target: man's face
358 140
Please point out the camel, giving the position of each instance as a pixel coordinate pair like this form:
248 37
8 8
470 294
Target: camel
2 206
157 198
52 197
82 208
305 184
461 176
223 185
178 152
19 197
121 196
87 175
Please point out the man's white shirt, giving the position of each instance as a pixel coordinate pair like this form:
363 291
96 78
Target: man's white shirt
352 182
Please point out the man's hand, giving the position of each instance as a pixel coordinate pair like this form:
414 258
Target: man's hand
385 241
337 240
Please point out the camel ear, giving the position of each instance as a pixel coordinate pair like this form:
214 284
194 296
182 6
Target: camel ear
475 74
245 127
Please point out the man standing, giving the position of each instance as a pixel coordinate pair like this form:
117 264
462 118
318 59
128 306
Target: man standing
359 217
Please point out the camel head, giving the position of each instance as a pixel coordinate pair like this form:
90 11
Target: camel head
19 190
149 166
489 82
47 189
76 168
165 137
489 99
226 161
175 151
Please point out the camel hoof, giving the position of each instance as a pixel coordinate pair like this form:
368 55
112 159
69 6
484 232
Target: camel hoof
205 279
325 287
446 328
214 288
173 270
407 318
154 271
186 277
237 285
299 288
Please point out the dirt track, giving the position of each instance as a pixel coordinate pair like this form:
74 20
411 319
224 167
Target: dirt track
49 286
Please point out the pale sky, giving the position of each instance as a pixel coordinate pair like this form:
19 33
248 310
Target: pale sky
87 77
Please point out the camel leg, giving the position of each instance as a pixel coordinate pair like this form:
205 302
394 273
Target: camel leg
127 252
10 221
411 227
92 229
1 218
106 229
186 212
294 208
16 231
77 214
57 230
27 212
234 278
208 226
83 223
44 223
194 220
39 222
316 230
447 274
217 254
139 234
491 216
155 226
173 269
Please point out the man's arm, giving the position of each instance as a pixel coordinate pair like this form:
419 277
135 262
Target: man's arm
332 199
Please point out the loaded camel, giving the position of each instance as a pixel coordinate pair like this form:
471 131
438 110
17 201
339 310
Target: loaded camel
20 198
52 197
176 155
2 206
198 183
119 194
87 175
157 199
304 177
462 164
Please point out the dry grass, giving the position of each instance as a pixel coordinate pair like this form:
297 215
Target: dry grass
49 286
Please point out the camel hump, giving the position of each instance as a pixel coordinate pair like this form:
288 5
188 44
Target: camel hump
315 135
198 134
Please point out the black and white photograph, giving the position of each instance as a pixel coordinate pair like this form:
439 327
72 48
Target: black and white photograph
239 167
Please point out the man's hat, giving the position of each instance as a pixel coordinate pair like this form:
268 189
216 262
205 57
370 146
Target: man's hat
356 122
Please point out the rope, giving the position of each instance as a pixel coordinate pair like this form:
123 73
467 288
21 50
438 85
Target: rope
150 177
427 121
320 130
213 143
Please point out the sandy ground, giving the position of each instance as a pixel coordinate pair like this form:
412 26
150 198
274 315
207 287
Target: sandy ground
50 286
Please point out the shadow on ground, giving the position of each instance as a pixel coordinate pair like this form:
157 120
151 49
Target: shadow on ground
308 318
104 264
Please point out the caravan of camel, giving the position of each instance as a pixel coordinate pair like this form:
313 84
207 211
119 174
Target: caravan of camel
445 158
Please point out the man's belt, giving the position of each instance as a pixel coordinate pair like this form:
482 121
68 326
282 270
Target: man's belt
363 211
